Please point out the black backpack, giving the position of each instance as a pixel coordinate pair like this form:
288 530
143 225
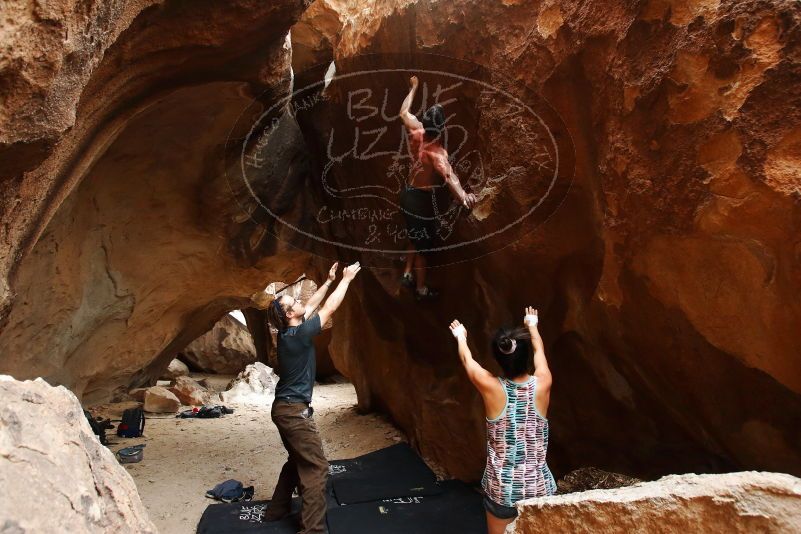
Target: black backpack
132 424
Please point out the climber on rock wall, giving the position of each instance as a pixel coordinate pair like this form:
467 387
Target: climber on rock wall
430 167
516 405
307 467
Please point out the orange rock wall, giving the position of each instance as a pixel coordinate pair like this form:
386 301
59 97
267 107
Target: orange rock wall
668 279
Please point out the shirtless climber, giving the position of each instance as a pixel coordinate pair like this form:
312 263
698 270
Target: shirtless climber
429 168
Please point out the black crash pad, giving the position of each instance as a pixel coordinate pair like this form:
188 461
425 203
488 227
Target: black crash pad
245 518
457 509
393 472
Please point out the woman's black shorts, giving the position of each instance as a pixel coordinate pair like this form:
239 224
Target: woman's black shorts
498 510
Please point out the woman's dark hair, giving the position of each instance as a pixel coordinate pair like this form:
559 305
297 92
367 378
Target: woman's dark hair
512 351
434 121
276 315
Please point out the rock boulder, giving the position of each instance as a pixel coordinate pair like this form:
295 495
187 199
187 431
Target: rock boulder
225 349
732 503
254 385
55 476
189 392
161 400
175 369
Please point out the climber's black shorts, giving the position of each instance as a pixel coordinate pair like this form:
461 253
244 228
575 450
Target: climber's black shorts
417 206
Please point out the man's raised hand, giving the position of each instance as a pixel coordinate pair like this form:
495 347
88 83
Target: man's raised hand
458 330
332 273
349 273
413 82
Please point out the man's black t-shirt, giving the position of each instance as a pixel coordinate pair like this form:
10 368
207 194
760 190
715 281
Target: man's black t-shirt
296 361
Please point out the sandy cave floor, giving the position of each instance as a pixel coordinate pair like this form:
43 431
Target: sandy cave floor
186 457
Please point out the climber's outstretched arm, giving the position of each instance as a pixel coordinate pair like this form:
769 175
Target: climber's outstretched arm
406 116
443 167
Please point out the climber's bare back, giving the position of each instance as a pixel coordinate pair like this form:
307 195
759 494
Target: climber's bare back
430 166
427 158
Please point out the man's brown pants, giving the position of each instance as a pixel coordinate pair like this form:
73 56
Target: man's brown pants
306 467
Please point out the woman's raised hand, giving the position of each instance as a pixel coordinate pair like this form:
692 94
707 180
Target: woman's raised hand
458 330
531 318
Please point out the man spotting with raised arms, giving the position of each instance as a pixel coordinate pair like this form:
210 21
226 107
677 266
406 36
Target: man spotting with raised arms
306 468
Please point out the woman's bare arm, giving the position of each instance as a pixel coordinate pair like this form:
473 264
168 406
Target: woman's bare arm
480 377
541 370
540 362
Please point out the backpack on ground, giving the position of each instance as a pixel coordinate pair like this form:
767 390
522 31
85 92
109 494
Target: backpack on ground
132 424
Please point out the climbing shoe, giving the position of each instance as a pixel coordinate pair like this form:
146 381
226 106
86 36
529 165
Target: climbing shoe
426 294
407 281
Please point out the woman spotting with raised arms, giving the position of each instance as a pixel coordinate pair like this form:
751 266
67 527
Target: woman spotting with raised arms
517 431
